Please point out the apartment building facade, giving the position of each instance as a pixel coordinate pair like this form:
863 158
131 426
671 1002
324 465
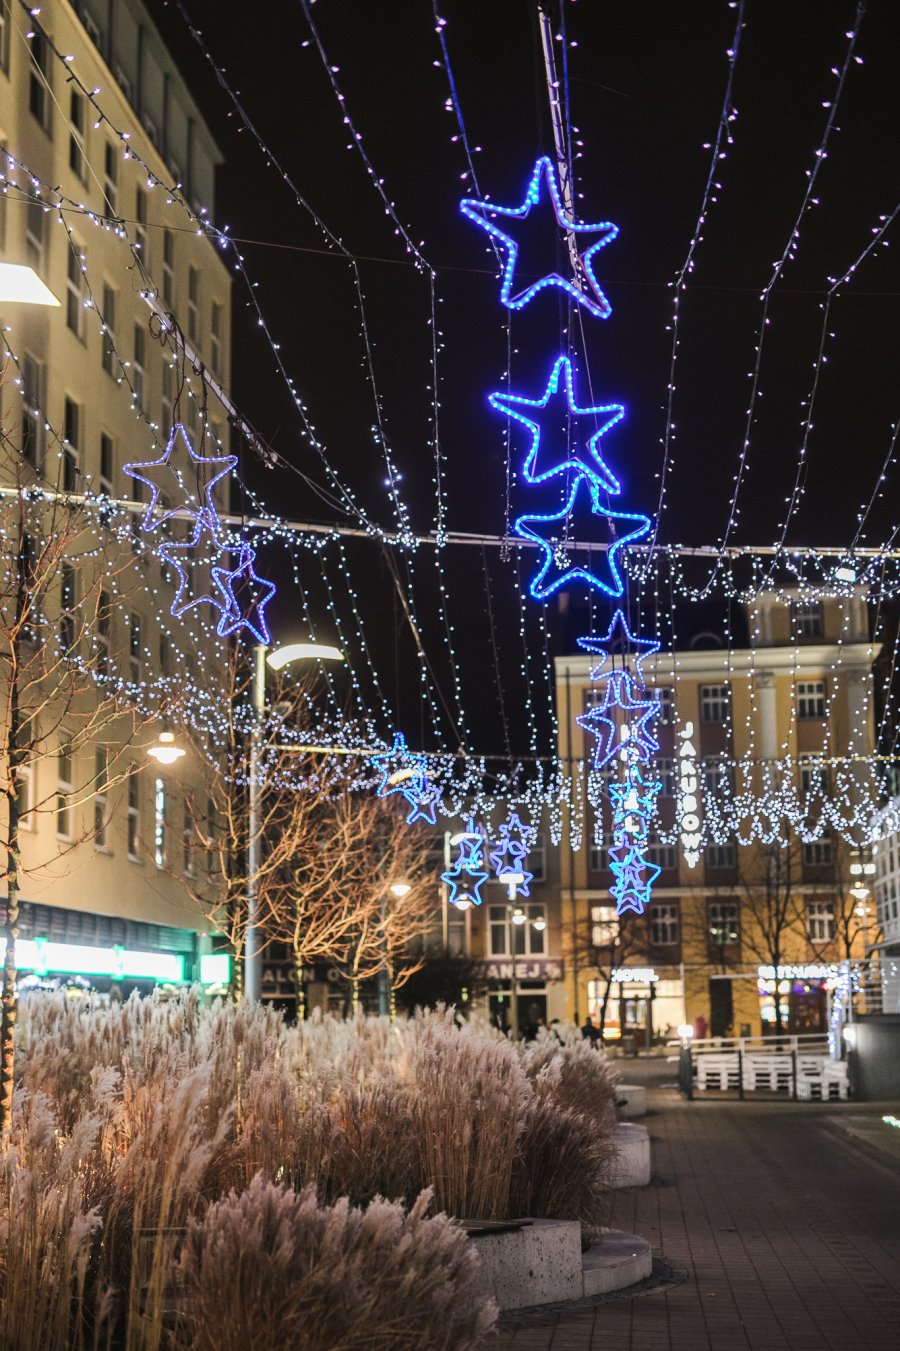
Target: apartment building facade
89 386
731 928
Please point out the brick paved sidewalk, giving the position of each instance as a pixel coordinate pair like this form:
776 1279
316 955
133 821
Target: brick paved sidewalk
789 1232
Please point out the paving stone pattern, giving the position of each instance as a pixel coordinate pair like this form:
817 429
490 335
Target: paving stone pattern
788 1230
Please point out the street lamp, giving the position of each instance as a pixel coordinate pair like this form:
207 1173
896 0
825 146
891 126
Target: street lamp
23 285
165 751
277 659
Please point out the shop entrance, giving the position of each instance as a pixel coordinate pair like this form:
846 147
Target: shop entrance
807 1007
531 1007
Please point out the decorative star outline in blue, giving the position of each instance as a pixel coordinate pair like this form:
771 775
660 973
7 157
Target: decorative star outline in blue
508 853
206 533
542 418
235 615
620 693
642 796
424 804
407 768
475 878
552 575
635 876
157 472
543 176
618 635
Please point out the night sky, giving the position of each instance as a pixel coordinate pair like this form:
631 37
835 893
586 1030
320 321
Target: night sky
646 86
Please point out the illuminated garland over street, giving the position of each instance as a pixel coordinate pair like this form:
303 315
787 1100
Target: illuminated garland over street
565 450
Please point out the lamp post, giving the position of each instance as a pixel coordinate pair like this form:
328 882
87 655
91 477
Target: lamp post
386 997
277 659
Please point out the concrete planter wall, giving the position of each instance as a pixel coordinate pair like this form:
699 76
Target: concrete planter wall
631 1100
632 1164
542 1263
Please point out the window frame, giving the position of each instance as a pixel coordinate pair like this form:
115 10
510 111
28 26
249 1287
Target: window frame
665 917
715 704
133 829
733 908
811 699
820 914
32 413
101 799
78 156
65 786
75 288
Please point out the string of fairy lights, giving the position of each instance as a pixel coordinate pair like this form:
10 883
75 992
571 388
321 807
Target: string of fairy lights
473 783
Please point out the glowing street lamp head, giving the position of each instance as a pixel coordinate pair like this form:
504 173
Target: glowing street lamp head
280 657
24 286
165 752
400 889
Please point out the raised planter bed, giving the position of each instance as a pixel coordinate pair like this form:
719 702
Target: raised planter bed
631 1100
632 1163
533 1262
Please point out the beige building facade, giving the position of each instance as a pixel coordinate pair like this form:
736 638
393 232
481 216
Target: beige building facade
93 384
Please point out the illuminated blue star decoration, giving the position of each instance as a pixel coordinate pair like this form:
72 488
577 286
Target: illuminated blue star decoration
508 856
423 800
621 695
466 877
619 637
402 771
503 223
634 876
180 488
184 560
557 569
245 595
633 803
557 417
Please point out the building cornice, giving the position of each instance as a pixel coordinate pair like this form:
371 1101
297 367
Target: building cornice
794 659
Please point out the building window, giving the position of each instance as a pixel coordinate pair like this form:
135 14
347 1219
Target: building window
110 179
508 939
718 777
160 842
817 853
820 925
67 587
666 769
721 856
75 291
140 216
193 303
604 926
666 698
715 703
71 450
106 464
168 397
187 840
135 649
32 419
815 778
151 128
36 237
39 81
101 802
102 634
91 27
665 856
134 818
165 653
77 121
63 792
25 797
536 862
108 330
724 928
168 269
810 700
137 365
665 924
122 81
808 618
5 28
215 338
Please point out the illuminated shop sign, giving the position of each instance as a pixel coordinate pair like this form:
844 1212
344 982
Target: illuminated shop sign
635 975
800 971
215 968
688 817
77 959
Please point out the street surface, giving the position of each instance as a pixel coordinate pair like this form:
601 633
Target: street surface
780 1220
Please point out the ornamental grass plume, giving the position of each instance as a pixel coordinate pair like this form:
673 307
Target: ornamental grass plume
586 1081
274 1268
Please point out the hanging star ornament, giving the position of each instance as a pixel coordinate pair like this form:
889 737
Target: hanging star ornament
424 802
201 554
556 569
467 875
508 856
634 876
245 597
176 481
402 770
620 703
506 224
619 638
565 435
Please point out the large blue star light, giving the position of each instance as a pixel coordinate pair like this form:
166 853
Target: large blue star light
508 856
556 568
247 609
619 636
620 695
180 488
402 770
543 191
556 417
202 551
634 876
